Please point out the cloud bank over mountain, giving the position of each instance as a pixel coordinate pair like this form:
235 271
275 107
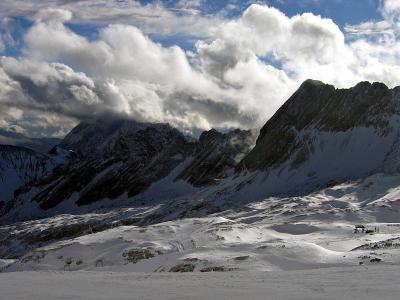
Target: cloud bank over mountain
238 73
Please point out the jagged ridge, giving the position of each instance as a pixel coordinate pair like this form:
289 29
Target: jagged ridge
321 107
124 158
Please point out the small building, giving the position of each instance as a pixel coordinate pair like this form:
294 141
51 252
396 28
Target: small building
358 228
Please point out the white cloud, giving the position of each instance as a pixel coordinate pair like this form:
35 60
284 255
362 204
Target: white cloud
238 76
382 29
155 18
300 47
303 46
18 110
370 28
390 7
53 15
130 76
189 6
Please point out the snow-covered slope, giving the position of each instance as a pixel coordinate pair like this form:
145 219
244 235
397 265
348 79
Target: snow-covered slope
274 234
19 166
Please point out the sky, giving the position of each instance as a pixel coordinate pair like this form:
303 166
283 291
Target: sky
196 64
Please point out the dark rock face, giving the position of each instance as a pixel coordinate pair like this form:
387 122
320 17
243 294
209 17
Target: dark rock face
98 137
217 153
119 161
115 158
319 107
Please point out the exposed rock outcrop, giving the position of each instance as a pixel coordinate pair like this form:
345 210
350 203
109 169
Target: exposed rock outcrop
216 154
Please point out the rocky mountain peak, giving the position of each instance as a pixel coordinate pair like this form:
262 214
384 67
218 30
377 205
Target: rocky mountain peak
321 131
98 137
363 86
210 136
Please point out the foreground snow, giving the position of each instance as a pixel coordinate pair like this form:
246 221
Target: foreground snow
300 247
206 244
377 282
274 234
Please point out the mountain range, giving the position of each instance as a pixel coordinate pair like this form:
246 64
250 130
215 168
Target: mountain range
39 144
144 197
321 136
